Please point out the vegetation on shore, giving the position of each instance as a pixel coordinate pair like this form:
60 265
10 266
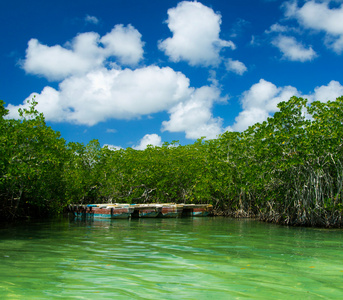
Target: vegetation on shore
286 170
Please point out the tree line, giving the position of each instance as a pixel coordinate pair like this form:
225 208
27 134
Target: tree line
287 170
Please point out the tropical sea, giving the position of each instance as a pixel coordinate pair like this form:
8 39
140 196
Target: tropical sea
185 258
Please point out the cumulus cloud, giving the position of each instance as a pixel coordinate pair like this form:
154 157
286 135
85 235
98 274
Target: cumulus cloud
112 94
94 85
106 94
319 16
149 139
194 117
56 62
248 118
266 95
260 102
49 104
195 39
326 92
235 66
293 50
124 43
84 53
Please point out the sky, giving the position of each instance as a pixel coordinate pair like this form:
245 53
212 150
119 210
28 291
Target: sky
131 72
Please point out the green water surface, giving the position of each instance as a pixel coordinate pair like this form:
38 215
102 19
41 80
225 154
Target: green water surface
188 258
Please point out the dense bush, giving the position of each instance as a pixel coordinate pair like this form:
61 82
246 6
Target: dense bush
287 169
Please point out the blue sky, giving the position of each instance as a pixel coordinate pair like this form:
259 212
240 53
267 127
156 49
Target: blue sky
132 72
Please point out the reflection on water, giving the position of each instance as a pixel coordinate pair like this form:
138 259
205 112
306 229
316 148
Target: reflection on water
191 258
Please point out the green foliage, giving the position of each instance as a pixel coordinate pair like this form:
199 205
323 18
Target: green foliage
31 165
81 172
288 169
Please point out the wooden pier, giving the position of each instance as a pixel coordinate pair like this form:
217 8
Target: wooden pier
125 211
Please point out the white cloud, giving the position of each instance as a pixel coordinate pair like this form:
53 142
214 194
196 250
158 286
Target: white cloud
293 50
235 66
124 43
49 104
255 41
319 16
111 130
149 139
247 118
194 117
260 102
105 94
326 92
113 94
56 62
277 28
112 147
91 19
84 53
195 29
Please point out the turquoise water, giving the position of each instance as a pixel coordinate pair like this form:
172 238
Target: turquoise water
190 258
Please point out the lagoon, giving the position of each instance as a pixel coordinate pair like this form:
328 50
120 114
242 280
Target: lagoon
185 258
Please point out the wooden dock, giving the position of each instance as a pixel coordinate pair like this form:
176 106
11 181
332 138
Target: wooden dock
125 211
